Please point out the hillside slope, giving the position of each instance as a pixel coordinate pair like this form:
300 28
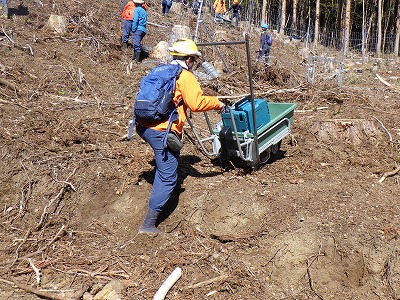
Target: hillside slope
312 223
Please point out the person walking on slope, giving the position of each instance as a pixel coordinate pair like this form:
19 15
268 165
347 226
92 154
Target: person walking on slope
127 9
236 11
265 44
139 23
166 6
184 53
4 9
220 10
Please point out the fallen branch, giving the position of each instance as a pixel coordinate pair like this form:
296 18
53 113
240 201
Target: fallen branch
45 213
309 262
387 83
157 25
167 284
36 270
56 295
388 174
60 232
233 96
282 91
4 32
387 131
8 85
208 281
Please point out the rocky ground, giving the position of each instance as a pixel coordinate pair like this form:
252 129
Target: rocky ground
318 221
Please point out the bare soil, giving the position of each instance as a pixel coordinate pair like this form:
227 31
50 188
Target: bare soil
312 223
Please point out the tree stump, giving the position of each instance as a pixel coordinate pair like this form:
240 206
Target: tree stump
57 23
355 131
161 52
180 32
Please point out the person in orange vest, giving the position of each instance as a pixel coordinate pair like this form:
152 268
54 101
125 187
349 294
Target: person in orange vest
184 53
127 8
220 9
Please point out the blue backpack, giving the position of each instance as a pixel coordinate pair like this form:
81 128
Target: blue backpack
154 100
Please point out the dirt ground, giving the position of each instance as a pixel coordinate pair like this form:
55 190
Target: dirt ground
312 223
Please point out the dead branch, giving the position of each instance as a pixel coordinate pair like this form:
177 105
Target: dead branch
157 25
296 89
383 126
387 83
59 233
224 238
309 262
9 85
4 32
208 281
233 96
388 174
15 103
45 213
61 295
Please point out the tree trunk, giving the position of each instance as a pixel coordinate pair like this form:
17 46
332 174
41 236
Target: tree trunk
316 28
397 40
283 17
264 11
347 28
379 30
294 17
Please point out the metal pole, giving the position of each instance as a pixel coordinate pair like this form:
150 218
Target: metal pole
253 108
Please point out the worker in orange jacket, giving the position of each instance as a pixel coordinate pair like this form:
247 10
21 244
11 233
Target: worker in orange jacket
127 9
220 9
184 53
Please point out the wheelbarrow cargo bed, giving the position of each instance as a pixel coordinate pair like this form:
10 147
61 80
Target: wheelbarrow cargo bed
273 121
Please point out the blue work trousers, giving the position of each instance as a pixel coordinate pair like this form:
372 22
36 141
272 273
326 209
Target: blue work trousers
264 51
166 175
137 37
5 8
218 18
126 31
236 16
166 6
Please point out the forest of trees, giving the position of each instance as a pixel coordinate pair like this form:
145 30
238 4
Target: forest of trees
371 26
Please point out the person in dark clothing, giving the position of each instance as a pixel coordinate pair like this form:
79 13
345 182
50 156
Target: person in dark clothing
166 6
236 11
265 44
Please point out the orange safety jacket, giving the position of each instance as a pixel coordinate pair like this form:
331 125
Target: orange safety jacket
188 89
127 12
219 6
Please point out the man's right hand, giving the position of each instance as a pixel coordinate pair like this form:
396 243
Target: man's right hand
221 108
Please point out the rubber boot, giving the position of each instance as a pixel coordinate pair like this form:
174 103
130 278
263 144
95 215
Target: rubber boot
124 46
137 56
149 223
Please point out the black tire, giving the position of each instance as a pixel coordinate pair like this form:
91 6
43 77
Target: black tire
275 148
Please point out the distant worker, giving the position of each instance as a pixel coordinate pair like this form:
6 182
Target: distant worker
127 9
138 29
220 9
265 44
196 6
184 53
166 6
4 9
236 11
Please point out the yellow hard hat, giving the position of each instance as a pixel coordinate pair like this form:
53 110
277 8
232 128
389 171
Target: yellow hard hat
184 47
235 1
